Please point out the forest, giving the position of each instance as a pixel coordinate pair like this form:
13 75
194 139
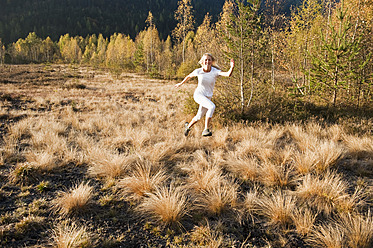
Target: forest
313 60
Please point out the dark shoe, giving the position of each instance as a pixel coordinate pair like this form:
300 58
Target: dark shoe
206 132
186 129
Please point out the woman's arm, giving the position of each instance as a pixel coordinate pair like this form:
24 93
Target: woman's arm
229 72
184 80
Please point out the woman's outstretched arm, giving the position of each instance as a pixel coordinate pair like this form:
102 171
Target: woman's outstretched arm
184 80
229 72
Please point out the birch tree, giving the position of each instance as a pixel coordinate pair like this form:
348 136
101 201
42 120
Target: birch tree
242 41
184 17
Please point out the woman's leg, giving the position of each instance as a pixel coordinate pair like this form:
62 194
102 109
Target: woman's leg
201 112
206 106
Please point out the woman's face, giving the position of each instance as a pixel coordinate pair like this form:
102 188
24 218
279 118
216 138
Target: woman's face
206 62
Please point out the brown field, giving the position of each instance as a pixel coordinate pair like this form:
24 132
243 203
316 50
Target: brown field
94 159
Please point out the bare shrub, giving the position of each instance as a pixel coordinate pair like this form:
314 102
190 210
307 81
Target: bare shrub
73 201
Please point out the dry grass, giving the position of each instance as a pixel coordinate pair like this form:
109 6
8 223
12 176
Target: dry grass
167 205
278 209
71 235
358 230
143 178
327 236
206 236
304 220
106 163
326 193
359 147
75 200
245 169
222 197
129 131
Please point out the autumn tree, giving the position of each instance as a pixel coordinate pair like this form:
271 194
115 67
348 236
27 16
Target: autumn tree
333 73
48 50
205 37
185 23
120 51
70 49
274 23
306 23
2 52
151 44
242 39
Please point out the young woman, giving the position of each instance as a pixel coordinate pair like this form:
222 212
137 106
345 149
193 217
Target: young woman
207 75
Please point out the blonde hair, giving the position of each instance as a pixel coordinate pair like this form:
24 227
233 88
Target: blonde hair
212 59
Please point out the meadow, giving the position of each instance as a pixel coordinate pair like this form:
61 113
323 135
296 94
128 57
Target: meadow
89 158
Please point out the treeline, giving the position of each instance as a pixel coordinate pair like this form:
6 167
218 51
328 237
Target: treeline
54 18
320 56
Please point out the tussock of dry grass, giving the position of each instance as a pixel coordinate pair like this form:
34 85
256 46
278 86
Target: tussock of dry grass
327 236
108 164
167 205
278 209
245 169
75 200
359 147
71 235
358 230
44 161
304 220
324 193
220 197
144 178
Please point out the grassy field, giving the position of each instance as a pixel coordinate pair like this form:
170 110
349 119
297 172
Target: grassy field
92 159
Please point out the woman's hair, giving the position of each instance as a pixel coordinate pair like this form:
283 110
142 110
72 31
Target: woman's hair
212 59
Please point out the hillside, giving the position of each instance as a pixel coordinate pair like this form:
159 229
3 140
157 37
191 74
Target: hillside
54 18
82 17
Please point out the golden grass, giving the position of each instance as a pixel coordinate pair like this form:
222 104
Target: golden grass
167 205
278 209
326 193
359 147
75 200
43 161
304 220
327 236
129 131
71 235
220 197
143 178
245 168
105 163
358 230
